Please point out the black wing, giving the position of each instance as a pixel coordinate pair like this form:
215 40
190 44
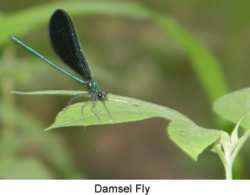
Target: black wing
66 44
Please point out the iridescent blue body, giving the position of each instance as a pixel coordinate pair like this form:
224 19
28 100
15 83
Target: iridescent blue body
66 44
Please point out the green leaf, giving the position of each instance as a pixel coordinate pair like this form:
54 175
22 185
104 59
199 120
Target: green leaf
122 109
235 106
192 138
184 132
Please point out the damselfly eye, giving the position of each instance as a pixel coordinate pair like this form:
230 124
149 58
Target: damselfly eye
102 94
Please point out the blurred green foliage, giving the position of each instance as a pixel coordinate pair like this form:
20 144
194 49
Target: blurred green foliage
140 50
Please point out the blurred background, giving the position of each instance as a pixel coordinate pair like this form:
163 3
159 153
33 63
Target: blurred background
131 57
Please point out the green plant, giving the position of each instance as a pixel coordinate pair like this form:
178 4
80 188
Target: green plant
190 137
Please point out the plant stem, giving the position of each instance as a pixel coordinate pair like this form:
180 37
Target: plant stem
226 160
